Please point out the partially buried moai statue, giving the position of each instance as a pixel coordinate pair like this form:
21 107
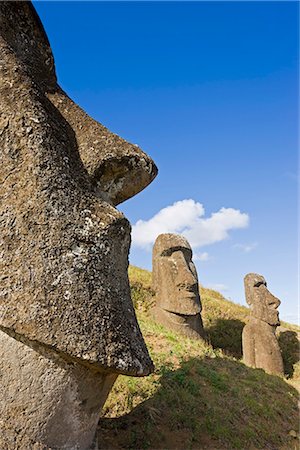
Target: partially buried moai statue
67 324
175 283
260 345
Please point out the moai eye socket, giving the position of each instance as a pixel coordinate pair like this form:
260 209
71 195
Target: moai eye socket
259 283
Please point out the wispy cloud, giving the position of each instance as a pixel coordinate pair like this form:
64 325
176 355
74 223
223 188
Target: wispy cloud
291 176
246 247
292 318
201 256
187 218
218 287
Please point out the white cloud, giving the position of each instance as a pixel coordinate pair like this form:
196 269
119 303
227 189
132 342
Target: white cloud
201 256
186 217
219 287
246 247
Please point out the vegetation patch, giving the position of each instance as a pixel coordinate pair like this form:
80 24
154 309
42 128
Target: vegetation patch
200 396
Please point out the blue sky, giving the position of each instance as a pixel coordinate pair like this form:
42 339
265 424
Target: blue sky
210 91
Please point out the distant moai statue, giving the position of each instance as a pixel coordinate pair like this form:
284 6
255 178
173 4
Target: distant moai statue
67 323
175 283
260 345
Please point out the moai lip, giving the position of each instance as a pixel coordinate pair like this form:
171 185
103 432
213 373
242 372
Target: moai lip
65 304
175 283
260 345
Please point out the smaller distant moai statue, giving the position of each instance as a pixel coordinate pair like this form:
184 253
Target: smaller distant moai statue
260 345
175 283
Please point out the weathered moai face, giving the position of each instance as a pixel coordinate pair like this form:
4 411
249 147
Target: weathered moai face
175 280
64 245
263 304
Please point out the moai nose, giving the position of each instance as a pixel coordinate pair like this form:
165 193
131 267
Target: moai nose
118 169
273 301
185 278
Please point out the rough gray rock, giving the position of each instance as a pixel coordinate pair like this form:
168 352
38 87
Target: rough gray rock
175 283
260 345
49 402
64 246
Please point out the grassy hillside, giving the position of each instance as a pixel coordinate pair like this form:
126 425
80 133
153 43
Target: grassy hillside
202 396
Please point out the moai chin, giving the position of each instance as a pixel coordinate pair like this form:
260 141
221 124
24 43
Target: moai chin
175 283
260 345
67 323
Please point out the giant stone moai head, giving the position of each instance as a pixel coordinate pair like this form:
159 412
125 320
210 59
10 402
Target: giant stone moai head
263 304
64 244
65 305
260 345
175 282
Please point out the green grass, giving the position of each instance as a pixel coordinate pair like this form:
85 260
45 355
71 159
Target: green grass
200 395
140 286
223 320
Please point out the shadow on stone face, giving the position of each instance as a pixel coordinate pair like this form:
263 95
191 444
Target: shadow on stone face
209 403
227 335
289 346
64 249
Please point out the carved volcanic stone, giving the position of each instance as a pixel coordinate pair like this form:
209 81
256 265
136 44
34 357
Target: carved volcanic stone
65 303
64 246
47 402
175 283
260 345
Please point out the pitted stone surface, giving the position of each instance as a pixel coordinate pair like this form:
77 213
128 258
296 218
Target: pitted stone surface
68 396
64 246
260 345
118 169
67 323
175 283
